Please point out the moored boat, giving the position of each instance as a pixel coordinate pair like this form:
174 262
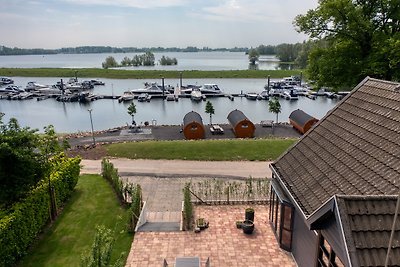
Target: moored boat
196 95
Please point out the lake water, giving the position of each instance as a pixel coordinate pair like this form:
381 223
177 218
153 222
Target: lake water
186 61
74 117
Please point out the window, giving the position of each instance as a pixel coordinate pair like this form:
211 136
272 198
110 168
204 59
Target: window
281 219
326 255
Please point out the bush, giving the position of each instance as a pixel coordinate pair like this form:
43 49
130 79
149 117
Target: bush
20 227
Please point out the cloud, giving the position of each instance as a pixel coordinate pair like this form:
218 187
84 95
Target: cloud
131 3
253 10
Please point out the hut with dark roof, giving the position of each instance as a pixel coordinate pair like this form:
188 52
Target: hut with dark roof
193 127
301 121
241 125
334 193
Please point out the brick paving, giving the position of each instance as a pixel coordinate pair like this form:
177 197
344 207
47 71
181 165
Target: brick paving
222 242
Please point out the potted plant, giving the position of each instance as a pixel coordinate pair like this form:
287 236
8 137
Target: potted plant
248 227
239 224
249 214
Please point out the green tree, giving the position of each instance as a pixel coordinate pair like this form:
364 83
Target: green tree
362 39
210 110
100 252
126 61
275 107
253 56
21 164
288 52
148 59
132 111
110 63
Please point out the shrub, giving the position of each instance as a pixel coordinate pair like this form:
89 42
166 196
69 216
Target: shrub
19 228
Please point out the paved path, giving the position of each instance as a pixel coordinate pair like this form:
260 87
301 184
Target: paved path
183 168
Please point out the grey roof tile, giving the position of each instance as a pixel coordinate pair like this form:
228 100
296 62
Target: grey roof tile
354 150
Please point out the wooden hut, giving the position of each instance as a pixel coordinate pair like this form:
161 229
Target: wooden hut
193 127
301 120
242 126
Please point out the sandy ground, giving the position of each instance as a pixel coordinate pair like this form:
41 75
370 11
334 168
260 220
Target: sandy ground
183 168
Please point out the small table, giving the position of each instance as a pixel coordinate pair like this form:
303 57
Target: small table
187 262
216 129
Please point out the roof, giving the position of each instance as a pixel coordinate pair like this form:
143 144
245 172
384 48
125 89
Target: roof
300 117
367 223
236 116
353 150
192 116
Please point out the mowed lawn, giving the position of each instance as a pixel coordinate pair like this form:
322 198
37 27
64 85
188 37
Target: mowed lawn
93 203
230 150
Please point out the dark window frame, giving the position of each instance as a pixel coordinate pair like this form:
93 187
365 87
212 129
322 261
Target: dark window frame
279 210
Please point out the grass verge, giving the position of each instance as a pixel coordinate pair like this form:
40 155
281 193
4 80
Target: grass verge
214 150
144 74
93 203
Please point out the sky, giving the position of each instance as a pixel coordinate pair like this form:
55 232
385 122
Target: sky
150 23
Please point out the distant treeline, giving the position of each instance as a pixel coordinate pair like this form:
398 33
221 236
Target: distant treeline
108 49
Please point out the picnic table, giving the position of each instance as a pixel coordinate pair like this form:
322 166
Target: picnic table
216 129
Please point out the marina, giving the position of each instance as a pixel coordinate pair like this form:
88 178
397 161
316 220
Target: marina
109 112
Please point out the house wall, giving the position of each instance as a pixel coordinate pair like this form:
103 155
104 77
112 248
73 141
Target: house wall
244 129
304 243
194 130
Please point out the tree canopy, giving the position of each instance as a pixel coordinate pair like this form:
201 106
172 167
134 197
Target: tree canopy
210 110
24 158
360 38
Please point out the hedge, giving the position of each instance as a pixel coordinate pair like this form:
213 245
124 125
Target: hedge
20 227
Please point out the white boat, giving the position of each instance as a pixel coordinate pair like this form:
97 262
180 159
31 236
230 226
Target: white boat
97 82
127 96
196 95
251 96
144 97
152 89
210 88
290 94
264 95
31 86
171 97
11 89
5 81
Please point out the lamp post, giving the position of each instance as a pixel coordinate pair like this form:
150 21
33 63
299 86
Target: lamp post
91 123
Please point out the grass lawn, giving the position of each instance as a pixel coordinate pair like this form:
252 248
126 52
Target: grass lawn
144 74
93 203
252 149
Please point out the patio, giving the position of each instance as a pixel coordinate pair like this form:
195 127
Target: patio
222 242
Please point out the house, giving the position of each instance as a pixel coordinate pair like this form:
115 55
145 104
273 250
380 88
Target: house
301 121
241 125
334 193
193 127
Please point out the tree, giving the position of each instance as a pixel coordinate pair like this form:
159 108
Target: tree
110 63
100 252
24 159
148 59
210 110
132 112
274 107
253 56
362 39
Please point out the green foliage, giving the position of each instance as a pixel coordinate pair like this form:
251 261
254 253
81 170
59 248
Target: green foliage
21 167
92 203
20 227
187 207
253 56
266 49
109 63
288 52
275 107
135 208
132 111
126 62
210 110
168 61
359 36
100 252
